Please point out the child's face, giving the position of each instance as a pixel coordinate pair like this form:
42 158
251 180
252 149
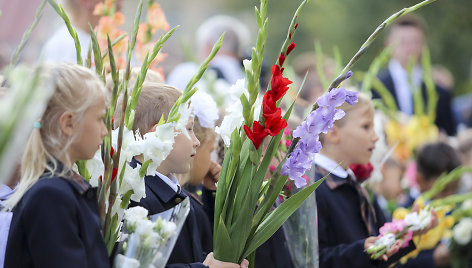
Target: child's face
201 163
181 157
357 137
90 135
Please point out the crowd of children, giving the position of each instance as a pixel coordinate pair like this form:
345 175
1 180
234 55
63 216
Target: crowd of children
54 221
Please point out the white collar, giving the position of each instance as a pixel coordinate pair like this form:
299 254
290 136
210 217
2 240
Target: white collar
171 181
5 191
330 165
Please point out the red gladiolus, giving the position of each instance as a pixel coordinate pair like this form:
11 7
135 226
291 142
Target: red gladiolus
362 171
291 47
112 152
257 134
281 59
278 83
113 174
275 125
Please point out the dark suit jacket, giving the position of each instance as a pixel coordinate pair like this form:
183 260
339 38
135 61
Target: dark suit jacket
191 247
341 231
444 118
56 224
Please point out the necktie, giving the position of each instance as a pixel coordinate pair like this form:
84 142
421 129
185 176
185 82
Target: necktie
367 210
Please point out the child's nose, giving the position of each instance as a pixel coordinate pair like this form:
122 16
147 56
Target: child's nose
375 138
196 142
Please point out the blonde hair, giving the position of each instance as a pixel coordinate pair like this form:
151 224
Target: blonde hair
75 89
155 101
363 101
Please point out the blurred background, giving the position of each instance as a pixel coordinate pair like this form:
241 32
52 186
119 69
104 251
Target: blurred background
341 24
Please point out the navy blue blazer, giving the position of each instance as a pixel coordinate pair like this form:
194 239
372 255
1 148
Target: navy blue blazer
444 117
57 224
341 230
192 246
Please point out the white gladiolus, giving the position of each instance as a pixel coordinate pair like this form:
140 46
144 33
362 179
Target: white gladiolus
132 181
234 117
387 240
128 138
134 215
95 168
462 232
122 261
418 221
181 124
155 146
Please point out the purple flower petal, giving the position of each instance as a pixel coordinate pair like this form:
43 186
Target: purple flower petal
351 97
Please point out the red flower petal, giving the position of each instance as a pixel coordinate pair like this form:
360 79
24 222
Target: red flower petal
278 83
256 135
291 47
275 125
113 174
281 59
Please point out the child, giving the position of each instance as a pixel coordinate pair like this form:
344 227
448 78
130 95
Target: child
348 222
434 159
163 190
55 214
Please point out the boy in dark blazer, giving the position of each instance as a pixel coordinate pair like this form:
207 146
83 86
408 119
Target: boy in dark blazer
163 191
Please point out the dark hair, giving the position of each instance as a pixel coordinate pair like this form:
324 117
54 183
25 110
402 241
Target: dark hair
436 158
410 20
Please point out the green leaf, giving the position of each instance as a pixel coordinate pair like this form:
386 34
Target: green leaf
275 219
223 247
97 54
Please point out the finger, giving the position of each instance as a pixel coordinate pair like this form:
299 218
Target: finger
385 257
244 263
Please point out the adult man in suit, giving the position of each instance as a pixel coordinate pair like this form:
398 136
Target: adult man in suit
407 38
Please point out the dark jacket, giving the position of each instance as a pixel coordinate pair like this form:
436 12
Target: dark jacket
57 224
444 117
341 230
191 247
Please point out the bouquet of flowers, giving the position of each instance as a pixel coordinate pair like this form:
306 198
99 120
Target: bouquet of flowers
149 242
243 216
461 240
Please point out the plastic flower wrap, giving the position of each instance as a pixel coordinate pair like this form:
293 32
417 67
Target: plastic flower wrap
148 241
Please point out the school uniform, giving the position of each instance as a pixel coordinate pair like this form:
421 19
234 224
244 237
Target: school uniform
346 219
162 193
57 224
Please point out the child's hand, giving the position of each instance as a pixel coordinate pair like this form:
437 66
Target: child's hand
211 262
210 179
370 241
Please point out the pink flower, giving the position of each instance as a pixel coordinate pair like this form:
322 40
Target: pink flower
272 168
287 131
157 18
394 227
288 143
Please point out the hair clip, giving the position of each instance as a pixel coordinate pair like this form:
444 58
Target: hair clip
37 125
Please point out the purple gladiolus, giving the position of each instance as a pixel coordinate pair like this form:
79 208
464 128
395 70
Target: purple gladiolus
319 121
351 97
334 98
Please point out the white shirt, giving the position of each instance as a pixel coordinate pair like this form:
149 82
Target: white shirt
61 47
402 85
330 165
171 181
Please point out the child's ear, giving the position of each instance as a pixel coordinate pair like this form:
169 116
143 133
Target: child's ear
333 135
152 129
66 123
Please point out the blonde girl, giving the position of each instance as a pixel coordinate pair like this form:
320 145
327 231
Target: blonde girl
55 215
